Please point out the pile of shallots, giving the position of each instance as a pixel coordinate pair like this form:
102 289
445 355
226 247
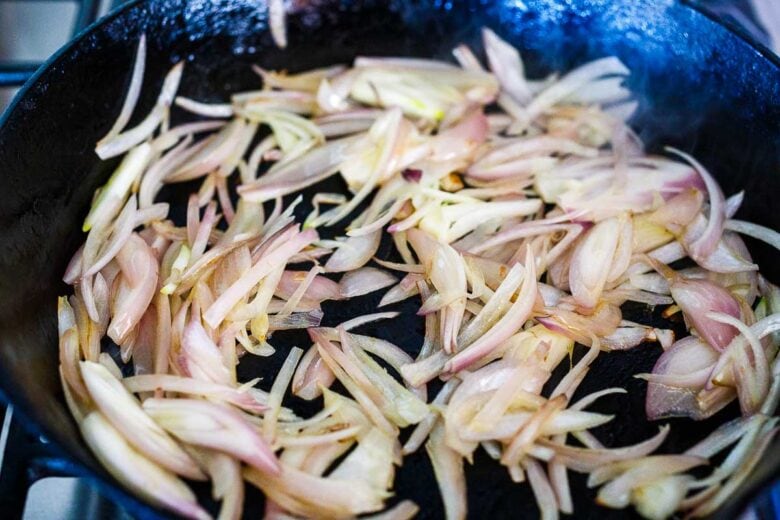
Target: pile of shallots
525 214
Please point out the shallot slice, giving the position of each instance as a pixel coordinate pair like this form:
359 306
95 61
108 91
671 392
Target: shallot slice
354 253
213 426
137 472
133 91
508 324
698 297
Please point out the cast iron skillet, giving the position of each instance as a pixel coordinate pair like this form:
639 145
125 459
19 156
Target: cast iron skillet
701 88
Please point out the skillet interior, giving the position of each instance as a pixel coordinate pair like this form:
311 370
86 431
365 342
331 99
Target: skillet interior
700 88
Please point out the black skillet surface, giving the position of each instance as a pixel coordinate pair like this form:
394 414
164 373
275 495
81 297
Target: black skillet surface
701 88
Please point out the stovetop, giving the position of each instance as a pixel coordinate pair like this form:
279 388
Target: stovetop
25 39
25 494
